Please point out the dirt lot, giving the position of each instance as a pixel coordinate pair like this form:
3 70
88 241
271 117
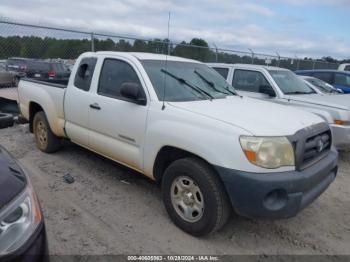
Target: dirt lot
111 210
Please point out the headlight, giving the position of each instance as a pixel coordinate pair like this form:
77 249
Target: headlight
268 152
18 221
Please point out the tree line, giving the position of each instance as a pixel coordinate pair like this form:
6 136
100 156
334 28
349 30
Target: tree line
198 49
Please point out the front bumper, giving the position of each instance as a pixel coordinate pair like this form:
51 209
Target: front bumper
278 195
341 136
34 250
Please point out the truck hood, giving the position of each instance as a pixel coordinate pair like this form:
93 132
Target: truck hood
257 117
334 101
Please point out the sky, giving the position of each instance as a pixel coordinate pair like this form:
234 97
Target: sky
313 28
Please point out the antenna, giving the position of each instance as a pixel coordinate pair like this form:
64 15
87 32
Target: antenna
166 62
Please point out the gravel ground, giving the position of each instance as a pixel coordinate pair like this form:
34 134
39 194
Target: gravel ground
112 210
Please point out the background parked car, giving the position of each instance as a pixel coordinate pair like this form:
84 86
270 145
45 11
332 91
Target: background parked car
18 65
47 71
339 79
282 86
22 229
42 70
320 86
344 67
6 78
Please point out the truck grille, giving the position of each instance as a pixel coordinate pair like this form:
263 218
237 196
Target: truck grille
316 146
311 145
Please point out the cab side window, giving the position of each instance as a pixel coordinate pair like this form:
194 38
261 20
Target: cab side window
251 81
114 74
84 73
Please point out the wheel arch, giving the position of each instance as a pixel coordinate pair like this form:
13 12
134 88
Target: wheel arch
33 109
167 155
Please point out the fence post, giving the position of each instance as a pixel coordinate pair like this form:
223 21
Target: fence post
252 55
313 64
298 63
169 44
216 52
279 59
92 42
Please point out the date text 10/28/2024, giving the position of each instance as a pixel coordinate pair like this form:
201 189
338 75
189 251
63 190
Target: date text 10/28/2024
173 258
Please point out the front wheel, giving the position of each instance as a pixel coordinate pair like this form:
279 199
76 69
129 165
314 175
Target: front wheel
46 141
194 197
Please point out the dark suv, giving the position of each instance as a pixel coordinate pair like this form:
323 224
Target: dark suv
56 72
48 71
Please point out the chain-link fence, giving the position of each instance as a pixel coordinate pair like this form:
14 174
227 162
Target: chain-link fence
56 44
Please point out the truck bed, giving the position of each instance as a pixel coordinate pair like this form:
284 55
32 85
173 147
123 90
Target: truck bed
46 83
49 96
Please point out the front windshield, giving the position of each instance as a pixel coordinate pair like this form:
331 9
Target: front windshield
186 81
321 85
289 83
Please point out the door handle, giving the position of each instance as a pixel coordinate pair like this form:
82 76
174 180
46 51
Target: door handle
95 106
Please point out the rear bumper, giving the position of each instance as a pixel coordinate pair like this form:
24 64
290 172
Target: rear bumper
341 136
278 195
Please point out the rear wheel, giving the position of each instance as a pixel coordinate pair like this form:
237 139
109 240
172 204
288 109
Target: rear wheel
46 141
194 197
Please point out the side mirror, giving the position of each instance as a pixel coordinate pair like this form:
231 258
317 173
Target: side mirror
267 90
132 91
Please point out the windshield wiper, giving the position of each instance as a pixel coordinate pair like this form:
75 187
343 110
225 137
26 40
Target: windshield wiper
185 82
212 85
298 93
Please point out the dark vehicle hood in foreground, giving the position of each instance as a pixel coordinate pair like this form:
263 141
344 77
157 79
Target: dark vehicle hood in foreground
12 179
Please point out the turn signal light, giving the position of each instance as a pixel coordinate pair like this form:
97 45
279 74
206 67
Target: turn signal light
339 122
251 155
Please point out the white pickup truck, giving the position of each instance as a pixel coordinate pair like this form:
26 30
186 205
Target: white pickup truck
178 122
279 85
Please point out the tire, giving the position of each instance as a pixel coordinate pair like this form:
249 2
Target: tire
6 120
211 197
46 141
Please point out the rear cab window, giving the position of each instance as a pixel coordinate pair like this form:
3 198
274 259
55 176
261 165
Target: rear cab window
58 67
84 73
38 66
347 68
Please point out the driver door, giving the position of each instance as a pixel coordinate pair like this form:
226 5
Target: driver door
117 126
